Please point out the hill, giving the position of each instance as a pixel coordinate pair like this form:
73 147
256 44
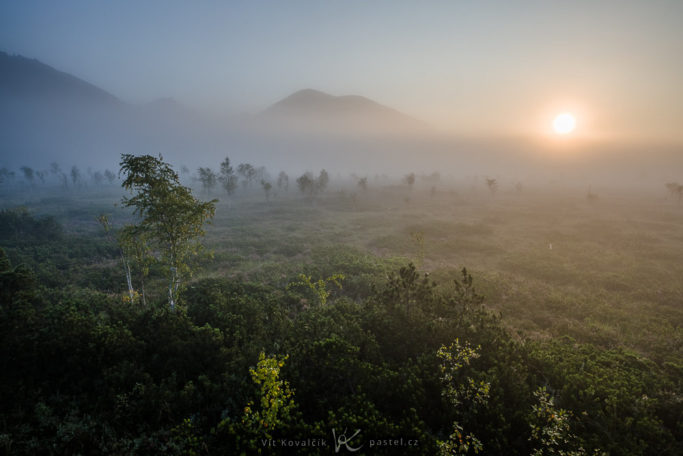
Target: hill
29 79
312 110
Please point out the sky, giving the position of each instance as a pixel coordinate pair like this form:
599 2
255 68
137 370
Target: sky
470 67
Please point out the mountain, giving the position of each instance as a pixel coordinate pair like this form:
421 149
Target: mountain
312 111
29 79
48 115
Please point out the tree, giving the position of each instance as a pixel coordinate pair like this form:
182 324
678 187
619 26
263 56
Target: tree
551 430
41 175
267 186
57 171
306 184
675 190
492 184
227 177
419 238
109 176
98 178
171 218
208 179
75 175
134 244
311 186
463 392
28 174
6 175
104 221
319 287
671 187
261 174
273 408
590 196
410 180
275 396
323 180
283 181
363 183
248 172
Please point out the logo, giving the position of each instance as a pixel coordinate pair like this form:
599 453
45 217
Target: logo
343 440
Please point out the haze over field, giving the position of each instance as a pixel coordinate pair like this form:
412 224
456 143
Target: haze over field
467 88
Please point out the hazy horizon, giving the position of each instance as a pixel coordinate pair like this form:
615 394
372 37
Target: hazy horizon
478 69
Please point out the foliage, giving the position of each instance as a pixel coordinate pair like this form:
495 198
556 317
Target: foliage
550 429
283 181
463 393
418 238
248 173
311 186
208 179
306 184
275 397
83 372
227 177
267 186
171 219
322 181
19 226
320 286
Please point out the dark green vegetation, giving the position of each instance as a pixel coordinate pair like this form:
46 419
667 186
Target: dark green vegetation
575 348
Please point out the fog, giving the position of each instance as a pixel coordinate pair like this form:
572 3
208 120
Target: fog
37 134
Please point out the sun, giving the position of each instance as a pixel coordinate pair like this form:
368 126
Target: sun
564 123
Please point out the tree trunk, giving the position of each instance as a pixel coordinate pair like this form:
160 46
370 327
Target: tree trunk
129 278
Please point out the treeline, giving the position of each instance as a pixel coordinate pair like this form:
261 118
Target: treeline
69 178
248 176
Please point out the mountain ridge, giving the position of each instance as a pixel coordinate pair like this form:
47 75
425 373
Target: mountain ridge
22 77
317 110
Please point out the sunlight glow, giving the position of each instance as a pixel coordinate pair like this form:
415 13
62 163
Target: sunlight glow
564 123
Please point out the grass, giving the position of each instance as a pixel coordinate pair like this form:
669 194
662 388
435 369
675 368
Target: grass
608 272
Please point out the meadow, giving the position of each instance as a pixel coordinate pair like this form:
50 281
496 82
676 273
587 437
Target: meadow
568 279
551 261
